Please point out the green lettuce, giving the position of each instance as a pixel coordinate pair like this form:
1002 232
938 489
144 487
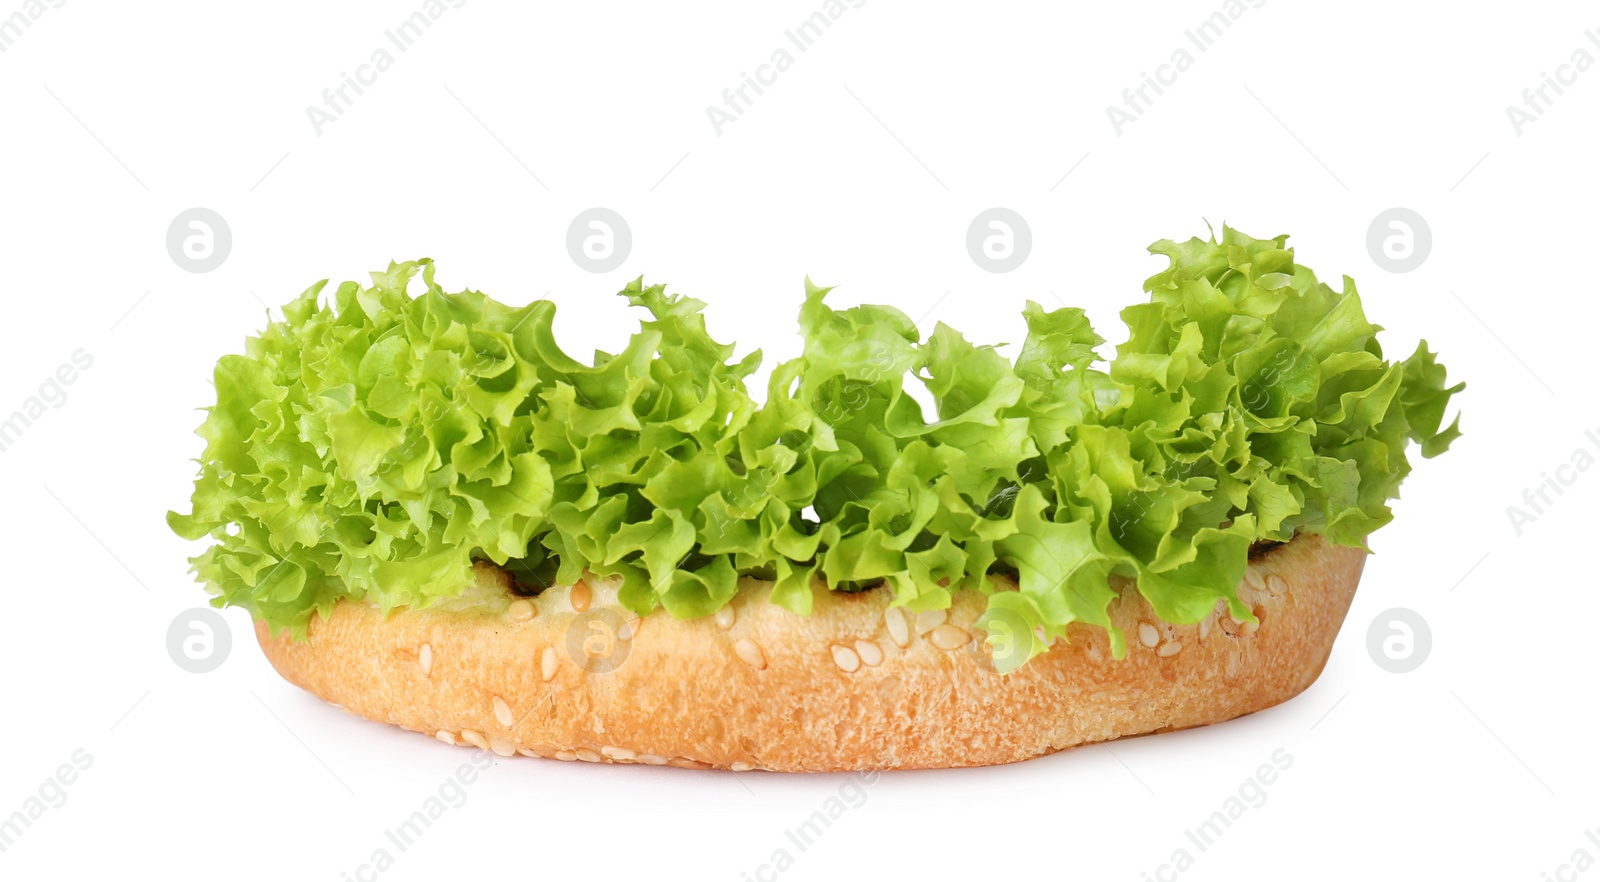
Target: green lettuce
373 444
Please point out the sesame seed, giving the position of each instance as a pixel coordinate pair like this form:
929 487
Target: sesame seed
425 659
949 637
1229 625
475 739
1205 627
628 629
526 752
725 616
846 659
684 762
619 753
588 755
502 748
651 759
750 653
930 619
580 595
548 663
1233 663
566 756
502 711
1252 577
1148 635
447 736
742 766
899 627
520 610
1168 650
871 655
1276 586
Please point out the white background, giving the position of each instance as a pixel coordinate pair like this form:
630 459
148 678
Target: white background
861 166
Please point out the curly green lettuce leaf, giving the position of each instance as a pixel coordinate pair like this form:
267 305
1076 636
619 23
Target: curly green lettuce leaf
374 445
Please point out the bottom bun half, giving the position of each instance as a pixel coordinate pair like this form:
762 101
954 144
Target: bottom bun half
855 685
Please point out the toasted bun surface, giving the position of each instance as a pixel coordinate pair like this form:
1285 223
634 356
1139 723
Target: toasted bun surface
855 685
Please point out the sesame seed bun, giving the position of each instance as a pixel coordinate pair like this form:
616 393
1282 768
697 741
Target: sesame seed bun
855 685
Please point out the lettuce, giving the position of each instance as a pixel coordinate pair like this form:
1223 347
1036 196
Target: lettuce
374 445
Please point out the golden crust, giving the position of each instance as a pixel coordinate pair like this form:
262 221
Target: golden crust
832 691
